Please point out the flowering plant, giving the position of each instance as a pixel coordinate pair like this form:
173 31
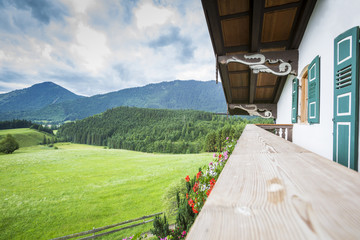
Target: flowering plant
206 178
198 189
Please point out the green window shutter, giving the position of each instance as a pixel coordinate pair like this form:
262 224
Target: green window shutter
294 106
314 91
346 98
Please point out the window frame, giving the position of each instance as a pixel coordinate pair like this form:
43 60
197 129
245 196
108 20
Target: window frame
304 96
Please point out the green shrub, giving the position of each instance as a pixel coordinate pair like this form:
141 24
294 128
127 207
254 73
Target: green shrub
191 196
161 227
9 144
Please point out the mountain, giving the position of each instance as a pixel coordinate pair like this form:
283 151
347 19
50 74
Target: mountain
35 97
191 94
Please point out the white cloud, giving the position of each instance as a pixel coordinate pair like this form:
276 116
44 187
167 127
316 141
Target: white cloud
111 44
46 51
91 48
148 15
2 56
80 6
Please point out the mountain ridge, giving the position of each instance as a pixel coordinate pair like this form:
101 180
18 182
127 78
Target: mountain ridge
177 94
35 97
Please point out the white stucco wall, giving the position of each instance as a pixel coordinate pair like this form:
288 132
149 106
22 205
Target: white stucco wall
329 19
284 105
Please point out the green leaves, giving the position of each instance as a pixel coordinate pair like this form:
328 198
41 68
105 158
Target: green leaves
8 145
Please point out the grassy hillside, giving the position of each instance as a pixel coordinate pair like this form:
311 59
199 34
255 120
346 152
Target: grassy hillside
25 136
47 193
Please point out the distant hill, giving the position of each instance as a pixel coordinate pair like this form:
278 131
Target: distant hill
191 94
25 136
35 97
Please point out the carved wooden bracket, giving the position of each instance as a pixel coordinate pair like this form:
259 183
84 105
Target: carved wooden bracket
260 110
280 63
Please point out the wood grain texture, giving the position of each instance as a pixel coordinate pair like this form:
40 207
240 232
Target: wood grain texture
227 7
277 25
236 31
273 189
239 79
264 93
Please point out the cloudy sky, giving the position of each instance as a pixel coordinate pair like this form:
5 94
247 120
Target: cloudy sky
98 46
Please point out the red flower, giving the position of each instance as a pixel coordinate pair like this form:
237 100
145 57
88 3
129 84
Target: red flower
187 178
187 196
212 182
191 203
196 187
198 175
220 156
194 210
208 192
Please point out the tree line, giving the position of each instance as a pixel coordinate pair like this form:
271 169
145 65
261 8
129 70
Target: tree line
17 123
155 130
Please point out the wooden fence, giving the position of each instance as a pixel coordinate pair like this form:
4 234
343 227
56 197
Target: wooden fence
95 230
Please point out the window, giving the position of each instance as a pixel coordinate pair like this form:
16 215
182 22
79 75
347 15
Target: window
294 105
346 98
313 113
304 95
309 87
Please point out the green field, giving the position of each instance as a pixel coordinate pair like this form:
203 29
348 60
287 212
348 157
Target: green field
25 136
47 192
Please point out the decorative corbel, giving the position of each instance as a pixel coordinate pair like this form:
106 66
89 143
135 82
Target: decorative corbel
260 110
278 63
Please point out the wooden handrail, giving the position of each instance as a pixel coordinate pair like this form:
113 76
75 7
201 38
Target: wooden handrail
282 130
271 188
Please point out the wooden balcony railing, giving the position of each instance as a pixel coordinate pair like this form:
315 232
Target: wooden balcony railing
271 188
282 130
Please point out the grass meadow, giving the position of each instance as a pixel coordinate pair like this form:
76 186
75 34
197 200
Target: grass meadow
25 136
48 193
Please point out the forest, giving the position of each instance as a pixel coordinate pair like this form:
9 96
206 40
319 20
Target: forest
17 123
156 130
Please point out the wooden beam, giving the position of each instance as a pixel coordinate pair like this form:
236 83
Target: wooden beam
213 21
235 15
243 48
279 88
282 7
240 101
277 44
225 81
257 19
239 71
239 87
253 82
307 7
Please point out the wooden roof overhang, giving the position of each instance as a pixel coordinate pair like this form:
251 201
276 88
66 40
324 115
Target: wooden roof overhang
255 44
